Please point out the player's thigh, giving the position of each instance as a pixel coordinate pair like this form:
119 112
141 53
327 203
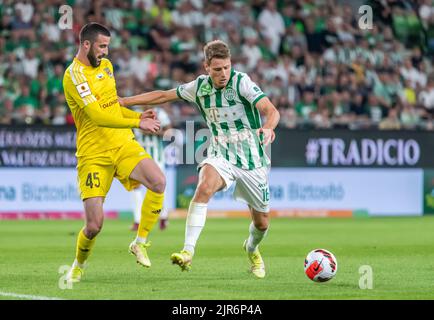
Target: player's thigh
95 176
148 173
210 181
134 166
252 187
217 172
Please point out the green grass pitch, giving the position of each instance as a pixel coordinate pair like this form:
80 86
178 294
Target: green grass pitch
400 252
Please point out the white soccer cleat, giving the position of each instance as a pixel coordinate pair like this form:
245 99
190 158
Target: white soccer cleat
140 251
257 266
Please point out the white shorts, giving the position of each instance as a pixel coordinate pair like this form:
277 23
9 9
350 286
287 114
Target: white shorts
251 186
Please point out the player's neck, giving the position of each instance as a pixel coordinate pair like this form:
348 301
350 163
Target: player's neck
81 56
215 87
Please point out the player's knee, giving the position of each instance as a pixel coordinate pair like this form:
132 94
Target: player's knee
203 192
92 229
261 225
159 185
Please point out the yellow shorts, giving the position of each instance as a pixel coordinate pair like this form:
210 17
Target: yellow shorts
95 173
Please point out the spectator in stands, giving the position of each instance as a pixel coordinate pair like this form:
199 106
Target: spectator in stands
272 25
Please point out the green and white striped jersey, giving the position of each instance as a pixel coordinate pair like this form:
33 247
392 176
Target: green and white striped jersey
231 116
153 144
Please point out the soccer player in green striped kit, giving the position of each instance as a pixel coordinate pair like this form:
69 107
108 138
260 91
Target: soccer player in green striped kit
231 104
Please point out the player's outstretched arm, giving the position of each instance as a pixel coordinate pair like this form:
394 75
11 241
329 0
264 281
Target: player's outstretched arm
269 111
150 98
102 119
131 114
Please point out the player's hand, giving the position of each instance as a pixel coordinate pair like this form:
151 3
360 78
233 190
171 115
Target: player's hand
268 135
149 125
148 114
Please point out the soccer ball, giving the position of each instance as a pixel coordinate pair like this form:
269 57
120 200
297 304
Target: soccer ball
320 265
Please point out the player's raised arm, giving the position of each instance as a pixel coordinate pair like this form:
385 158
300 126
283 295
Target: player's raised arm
150 98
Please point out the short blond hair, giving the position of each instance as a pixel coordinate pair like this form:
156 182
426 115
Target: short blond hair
216 49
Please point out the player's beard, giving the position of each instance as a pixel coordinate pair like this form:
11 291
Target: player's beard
93 59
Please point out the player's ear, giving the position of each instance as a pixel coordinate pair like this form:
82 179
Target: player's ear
86 44
206 66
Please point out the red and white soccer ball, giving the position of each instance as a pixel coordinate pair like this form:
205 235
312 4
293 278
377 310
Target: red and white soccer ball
320 265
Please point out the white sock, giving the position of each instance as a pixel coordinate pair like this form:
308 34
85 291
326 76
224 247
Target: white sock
193 226
138 196
255 237
77 264
140 240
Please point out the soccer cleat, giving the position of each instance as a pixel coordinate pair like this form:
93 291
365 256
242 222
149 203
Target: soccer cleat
182 259
74 274
140 251
257 266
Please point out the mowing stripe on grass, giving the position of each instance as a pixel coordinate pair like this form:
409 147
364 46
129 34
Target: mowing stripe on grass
26 296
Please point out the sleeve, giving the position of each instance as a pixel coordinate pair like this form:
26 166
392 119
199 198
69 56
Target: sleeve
131 114
163 117
250 90
102 119
78 88
187 91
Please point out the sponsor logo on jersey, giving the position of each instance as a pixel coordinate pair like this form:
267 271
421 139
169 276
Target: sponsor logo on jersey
108 104
83 89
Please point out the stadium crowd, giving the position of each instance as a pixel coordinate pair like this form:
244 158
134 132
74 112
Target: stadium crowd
312 58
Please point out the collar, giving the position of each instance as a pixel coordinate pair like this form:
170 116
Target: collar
207 87
81 63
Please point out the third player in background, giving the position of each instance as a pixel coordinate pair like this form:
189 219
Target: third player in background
154 145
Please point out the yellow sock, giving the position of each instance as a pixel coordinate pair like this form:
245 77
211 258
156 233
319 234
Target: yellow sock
84 247
151 208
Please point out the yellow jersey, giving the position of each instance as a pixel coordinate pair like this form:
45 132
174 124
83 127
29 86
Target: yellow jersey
89 87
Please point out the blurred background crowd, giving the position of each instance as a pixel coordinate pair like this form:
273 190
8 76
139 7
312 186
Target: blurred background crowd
310 57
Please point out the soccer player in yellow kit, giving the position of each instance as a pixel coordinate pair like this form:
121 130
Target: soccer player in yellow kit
106 147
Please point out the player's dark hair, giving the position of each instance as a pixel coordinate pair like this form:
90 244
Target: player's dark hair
216 49
91 31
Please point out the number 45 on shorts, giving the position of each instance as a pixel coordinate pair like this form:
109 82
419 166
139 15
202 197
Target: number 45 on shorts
92 180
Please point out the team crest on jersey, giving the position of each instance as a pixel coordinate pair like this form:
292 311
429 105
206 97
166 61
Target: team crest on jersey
99 76
107 70
229 94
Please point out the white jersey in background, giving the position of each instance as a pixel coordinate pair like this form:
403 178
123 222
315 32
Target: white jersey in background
153 144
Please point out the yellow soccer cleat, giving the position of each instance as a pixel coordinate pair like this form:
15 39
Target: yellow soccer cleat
74 274
182 259
257 266
140 251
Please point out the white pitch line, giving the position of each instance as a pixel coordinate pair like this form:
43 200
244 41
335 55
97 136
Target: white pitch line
26 296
